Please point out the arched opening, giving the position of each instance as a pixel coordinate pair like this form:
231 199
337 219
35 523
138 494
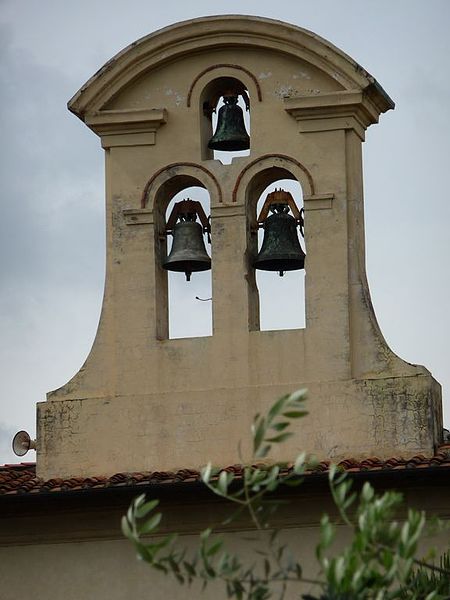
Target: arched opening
225 120
186 305
275 302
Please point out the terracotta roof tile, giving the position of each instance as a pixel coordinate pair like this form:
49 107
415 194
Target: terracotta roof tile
21 478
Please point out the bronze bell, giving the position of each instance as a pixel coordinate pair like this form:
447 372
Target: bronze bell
230 134
188 253
280 250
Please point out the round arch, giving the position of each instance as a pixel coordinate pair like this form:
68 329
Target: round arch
171 179
257 175
225 70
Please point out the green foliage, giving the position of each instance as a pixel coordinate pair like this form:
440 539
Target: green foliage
424 579
379 563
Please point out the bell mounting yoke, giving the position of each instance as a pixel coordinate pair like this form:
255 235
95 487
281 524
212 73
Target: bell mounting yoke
184 210
228 87
281 197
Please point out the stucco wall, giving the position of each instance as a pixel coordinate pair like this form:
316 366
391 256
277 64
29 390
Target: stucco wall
109 570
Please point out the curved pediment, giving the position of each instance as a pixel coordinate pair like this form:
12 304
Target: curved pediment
234 33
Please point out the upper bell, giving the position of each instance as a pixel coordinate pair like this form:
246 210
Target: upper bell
230 134
280 250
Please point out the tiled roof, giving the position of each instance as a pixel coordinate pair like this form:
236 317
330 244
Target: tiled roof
21 478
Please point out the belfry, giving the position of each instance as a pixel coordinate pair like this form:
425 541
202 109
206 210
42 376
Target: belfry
143 401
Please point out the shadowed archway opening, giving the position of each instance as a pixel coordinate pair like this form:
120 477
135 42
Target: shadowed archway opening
274 302
190 303
212 101
184 307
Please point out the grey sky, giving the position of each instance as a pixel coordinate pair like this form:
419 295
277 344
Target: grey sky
51 168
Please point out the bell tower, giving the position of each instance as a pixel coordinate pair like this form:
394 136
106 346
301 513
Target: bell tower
163 108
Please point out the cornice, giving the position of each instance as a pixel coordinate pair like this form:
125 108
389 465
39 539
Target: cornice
350 109
218 32
135 127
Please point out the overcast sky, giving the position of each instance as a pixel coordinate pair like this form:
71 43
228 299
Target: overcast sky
52 180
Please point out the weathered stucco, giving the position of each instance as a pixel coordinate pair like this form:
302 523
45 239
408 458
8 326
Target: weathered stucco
53 548
142 401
